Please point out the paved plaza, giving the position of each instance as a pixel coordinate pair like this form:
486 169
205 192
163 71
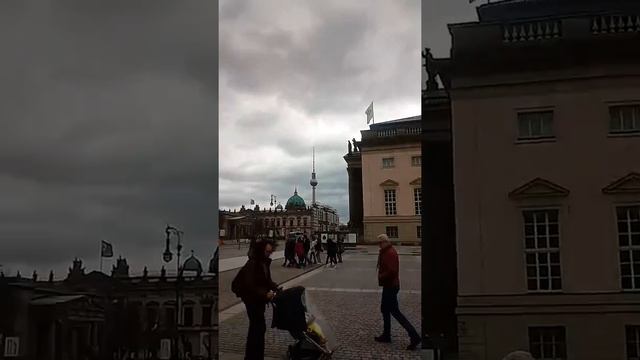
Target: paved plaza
348 297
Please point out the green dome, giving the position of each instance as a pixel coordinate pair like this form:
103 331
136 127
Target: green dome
295 202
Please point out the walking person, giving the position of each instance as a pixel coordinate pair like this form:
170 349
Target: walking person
300 252
307 247
318 249
286 252
340 248
253 284
312 252
389 279
332 249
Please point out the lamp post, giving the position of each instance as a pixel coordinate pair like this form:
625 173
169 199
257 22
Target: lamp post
167 256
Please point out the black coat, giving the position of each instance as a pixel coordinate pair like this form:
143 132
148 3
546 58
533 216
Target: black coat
255 279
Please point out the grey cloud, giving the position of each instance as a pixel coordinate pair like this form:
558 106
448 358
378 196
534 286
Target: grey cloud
109 130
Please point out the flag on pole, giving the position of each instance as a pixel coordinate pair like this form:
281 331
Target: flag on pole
369 112
107 250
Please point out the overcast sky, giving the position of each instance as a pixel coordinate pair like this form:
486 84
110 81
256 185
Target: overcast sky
109 131
437 14
297 74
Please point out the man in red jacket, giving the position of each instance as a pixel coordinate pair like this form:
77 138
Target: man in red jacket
388 278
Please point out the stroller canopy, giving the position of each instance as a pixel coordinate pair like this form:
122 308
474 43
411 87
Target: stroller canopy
289 311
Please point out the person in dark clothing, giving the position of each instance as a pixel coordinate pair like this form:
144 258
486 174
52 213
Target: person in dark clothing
332 249
340 248
299 249
318 249
388 278
289 252
256 289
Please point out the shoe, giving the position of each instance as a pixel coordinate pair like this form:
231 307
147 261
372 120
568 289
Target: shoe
414 344
382 339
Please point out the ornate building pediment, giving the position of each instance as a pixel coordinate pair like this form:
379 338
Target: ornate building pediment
416 182
389 182
538 188
629 184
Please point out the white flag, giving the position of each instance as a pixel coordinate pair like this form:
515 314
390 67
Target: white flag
369 112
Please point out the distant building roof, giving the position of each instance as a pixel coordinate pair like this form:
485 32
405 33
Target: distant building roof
509 10
53 300
394 123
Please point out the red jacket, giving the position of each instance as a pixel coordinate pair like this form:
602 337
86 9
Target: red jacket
388 268
299 249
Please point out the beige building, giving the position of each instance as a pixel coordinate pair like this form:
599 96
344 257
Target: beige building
295 216
389 155
546 134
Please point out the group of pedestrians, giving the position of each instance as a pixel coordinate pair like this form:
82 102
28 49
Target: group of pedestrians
301 251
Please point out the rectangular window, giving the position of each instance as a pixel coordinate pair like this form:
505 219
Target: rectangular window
390 202
417 200
170 317
392 232
548 343
542 250
387 163
305 221
624 119
188 316
206 315
416 161
633 342
278 222
419 231
535 125
629 241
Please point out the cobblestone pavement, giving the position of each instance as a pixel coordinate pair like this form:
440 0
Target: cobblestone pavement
348 297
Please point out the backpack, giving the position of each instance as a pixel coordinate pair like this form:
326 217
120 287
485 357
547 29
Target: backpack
237 285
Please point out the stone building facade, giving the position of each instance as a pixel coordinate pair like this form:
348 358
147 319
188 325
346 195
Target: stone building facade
295 216
546 125
94 315
385 186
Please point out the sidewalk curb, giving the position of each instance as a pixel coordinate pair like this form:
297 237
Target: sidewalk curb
306 270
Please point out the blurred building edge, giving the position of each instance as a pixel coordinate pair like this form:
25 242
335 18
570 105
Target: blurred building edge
544 111
94 316
385 187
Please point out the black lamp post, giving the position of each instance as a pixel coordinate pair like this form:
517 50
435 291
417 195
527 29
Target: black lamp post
167 256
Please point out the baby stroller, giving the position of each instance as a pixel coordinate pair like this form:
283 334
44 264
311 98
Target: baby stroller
314 337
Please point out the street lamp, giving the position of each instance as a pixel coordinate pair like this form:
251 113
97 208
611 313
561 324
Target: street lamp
167 256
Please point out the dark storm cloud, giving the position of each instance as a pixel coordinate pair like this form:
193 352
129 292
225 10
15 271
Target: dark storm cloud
296 75
109 130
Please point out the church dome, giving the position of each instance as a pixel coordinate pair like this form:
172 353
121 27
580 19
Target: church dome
192 264
295 202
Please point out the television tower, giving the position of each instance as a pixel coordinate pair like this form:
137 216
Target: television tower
313 182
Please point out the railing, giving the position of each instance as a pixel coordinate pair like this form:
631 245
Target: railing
400 131
610 24
533 31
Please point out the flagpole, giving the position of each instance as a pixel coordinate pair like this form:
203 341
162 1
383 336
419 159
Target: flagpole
100 256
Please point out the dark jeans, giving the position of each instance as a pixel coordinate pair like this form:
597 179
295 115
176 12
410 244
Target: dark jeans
389 306
254 349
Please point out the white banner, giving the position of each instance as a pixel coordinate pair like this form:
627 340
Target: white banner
204 344
165 349
351 238
11 346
